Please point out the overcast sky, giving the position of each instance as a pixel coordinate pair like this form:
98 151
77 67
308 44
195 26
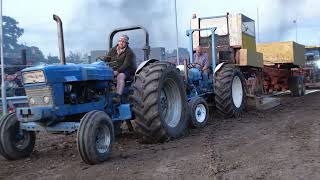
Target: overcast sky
88 23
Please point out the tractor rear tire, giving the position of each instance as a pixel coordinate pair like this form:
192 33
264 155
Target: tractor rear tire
199 112
230 93
13 145
95 137
1 148
296 86
159 103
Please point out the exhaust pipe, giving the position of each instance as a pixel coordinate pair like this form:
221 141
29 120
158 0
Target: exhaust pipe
60 38
185 63
24 57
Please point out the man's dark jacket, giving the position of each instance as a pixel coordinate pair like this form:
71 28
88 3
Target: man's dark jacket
124 62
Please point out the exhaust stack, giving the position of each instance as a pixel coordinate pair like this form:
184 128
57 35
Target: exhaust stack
60 38
24 57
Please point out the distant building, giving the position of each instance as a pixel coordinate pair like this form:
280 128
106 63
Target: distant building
158 53
172 56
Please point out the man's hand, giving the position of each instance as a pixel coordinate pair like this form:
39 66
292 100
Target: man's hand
205 68
108 58
115 73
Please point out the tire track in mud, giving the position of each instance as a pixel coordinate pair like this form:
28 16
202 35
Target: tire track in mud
276 144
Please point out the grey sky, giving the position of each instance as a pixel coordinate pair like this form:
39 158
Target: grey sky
87 23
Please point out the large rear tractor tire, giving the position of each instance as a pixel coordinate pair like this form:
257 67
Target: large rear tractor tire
95 137
159 103
15 144
297 86
230 93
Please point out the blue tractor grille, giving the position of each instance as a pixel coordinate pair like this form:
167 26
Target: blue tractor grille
42 96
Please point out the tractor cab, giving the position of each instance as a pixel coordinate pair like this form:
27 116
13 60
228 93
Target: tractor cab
235 38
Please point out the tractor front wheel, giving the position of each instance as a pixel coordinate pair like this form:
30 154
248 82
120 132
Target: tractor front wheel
15 143
199 112
95 137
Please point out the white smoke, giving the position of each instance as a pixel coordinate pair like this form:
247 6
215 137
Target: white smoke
97 18
279 20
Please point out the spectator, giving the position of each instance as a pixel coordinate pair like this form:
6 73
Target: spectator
19 91
10 85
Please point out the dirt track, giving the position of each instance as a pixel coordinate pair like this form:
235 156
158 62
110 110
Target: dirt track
278 144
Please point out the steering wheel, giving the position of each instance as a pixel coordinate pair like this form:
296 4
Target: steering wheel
100 58
190 66
104 58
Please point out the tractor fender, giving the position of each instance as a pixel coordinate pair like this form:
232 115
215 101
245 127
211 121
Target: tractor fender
180 67
144 63
219 66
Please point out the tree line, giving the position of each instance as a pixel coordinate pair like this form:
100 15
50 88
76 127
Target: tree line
12 48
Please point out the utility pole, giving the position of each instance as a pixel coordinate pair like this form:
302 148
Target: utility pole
3 85
296 24
177 33
296 21
258 26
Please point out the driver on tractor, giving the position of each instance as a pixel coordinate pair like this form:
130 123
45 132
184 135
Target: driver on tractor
201 62
123 62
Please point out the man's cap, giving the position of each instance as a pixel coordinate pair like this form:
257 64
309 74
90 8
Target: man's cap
124 37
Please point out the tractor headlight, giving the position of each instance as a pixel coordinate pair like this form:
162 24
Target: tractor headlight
33 77
32 101
46 99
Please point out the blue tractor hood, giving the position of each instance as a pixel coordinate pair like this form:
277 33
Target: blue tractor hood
74 72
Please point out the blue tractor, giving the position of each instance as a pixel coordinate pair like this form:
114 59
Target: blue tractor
70 98
200 86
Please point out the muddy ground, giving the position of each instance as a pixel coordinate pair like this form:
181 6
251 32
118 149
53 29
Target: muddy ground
282 143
